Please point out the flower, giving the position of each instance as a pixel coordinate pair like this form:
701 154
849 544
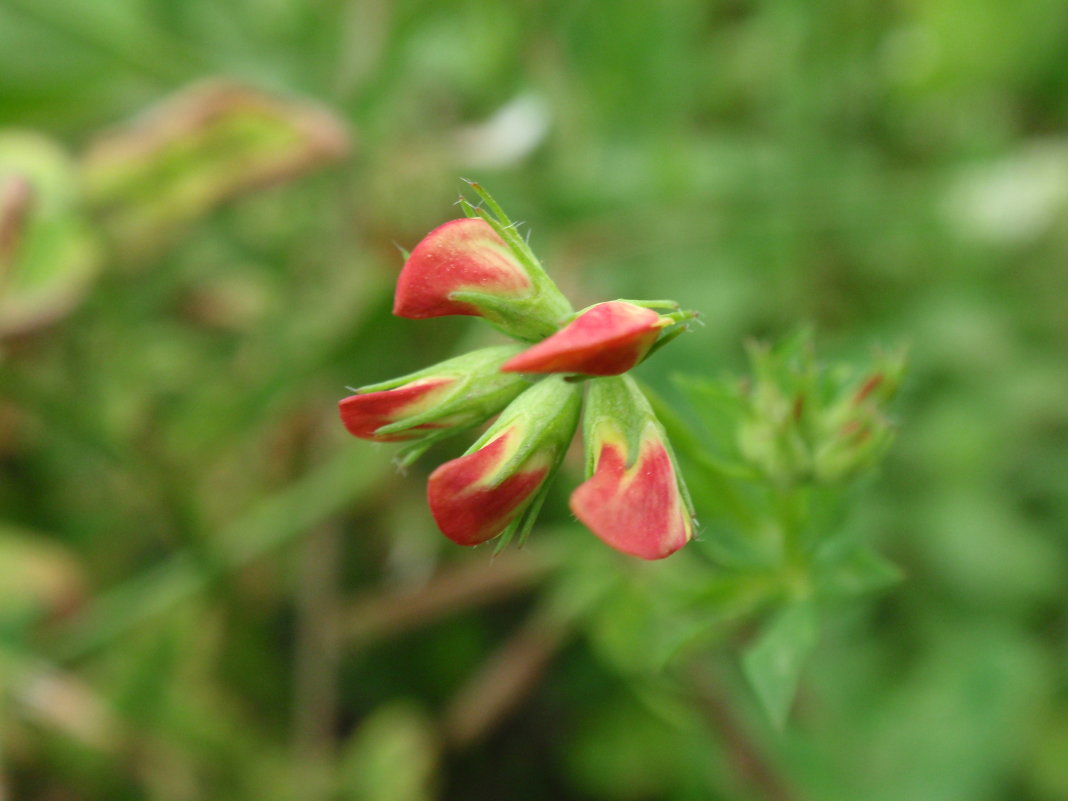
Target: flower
440 400
634 499
605 339
466 267
478 496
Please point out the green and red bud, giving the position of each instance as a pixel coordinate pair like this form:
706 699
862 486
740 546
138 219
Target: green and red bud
605 339
803 423
366 412
634 498
489 489
465 267
855 431
448 397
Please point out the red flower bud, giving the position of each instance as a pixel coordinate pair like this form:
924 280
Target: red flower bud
469 499
486 491
461 255
606 339
634 506
364 414
453 395
634 499
465 267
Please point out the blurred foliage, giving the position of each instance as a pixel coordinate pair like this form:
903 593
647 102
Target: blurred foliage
47 254
209 591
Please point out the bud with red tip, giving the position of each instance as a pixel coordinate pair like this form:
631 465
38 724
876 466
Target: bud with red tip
466 267
440 400
802 422
605 339
504 475
855 431
634 498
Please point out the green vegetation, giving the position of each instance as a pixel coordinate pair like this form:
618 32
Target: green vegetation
208 590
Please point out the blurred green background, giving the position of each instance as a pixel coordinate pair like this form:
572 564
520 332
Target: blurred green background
209 591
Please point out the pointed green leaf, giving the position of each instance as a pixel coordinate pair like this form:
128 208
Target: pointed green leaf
860 571
773 663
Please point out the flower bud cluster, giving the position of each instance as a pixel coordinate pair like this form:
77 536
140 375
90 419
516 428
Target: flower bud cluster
633 498
802 424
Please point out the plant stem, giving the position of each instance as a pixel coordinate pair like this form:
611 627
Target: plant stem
751 765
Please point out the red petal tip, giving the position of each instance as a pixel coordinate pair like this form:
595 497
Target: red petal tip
364 413
468 506
608 339
639 511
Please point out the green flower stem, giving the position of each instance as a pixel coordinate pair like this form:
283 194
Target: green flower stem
790 511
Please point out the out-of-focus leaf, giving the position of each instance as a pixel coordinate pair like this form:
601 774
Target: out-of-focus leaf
719 405
273 521
14 208
707 611
47 255
392 757
957 721
773 663
209 143
1050 768
858 571
36 576
621 751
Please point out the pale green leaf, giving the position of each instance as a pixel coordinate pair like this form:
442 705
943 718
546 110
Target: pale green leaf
774 662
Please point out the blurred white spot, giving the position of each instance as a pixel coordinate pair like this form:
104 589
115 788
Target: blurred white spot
1015 199
507 137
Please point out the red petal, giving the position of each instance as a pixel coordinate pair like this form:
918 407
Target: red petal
609 339
637 511
363 414
461 254
467 506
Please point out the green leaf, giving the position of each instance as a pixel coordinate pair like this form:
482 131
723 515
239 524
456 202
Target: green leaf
773 663
38 576
48 254
206 144
393 756
858 572
717 404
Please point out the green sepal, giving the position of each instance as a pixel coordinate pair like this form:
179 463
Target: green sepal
529 319
534 317
548 412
